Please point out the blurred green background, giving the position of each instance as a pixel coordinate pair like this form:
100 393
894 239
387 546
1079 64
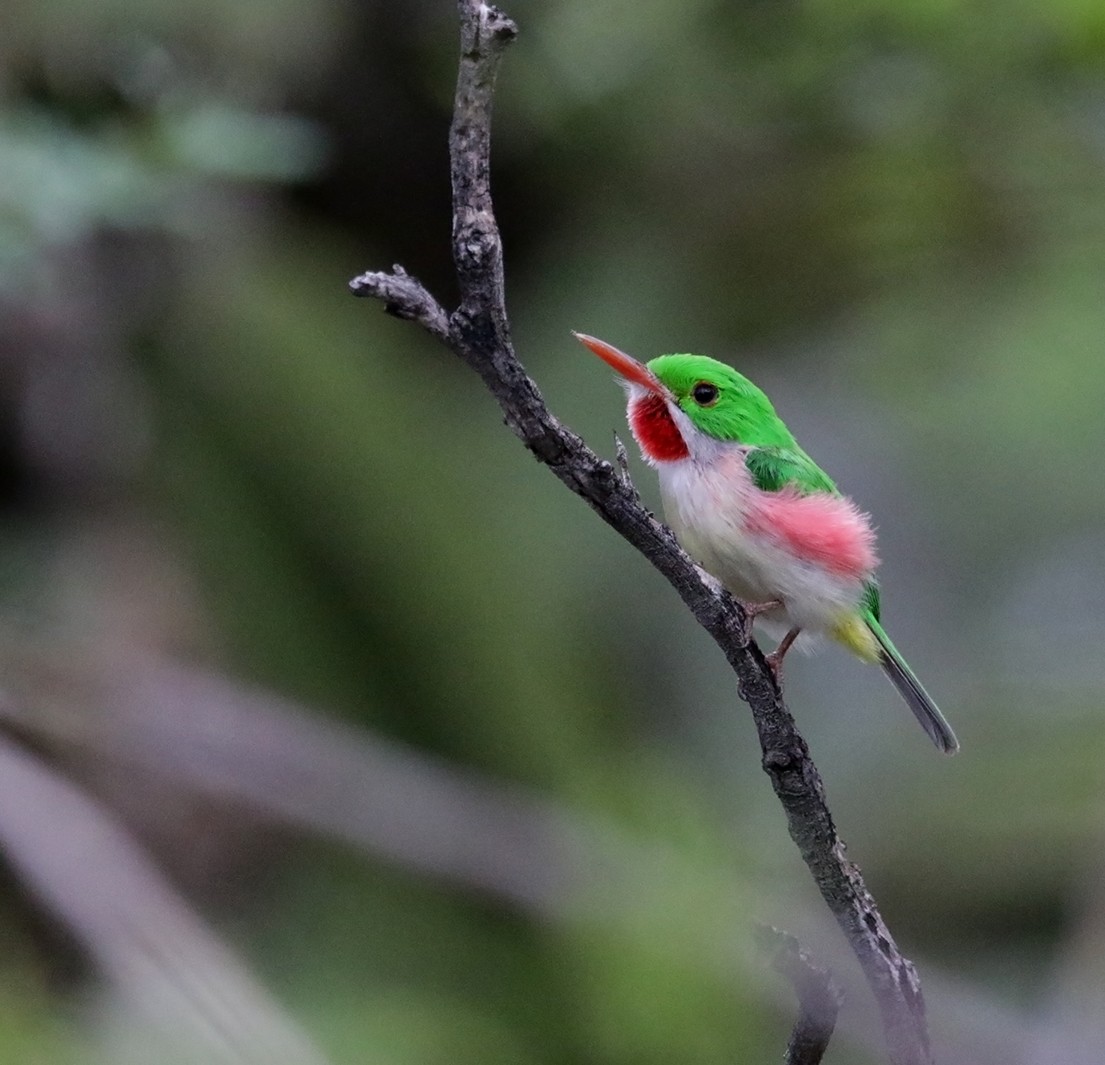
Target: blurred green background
891 215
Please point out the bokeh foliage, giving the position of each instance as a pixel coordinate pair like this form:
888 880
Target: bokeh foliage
889 214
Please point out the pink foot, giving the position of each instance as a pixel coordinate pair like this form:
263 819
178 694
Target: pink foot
775 659
754 610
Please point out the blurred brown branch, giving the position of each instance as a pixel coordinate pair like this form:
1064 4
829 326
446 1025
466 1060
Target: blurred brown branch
171 974
479 333
153 718
124 728
819 997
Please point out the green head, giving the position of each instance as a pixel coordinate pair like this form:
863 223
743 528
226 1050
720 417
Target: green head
676 396
719 401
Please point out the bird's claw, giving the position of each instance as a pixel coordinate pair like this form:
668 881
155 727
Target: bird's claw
753 611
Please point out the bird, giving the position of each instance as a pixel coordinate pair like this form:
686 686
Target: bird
755 511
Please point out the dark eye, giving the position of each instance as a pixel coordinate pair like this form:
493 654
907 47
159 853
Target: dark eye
705 394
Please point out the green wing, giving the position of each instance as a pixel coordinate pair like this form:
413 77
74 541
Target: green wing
871 603
776 468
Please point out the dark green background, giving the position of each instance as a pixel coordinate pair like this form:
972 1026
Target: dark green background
889 214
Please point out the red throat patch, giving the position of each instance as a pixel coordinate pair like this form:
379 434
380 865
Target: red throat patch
655 429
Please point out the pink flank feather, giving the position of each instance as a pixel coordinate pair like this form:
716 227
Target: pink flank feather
826 530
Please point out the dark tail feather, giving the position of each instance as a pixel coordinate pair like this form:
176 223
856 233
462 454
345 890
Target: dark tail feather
909 687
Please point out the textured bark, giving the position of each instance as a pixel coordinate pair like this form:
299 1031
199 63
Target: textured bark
478 331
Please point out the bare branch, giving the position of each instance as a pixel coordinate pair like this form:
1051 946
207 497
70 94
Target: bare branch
479 333
477 249
819 997
405 297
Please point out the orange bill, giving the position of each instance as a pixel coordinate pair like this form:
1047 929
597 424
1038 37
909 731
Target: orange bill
626 365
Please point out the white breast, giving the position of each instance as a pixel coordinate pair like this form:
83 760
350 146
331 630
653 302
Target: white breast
707 503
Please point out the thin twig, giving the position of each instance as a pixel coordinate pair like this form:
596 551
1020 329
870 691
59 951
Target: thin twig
622 460
479 333
819 997
405 297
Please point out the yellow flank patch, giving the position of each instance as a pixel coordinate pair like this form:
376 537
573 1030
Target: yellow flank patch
853 632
